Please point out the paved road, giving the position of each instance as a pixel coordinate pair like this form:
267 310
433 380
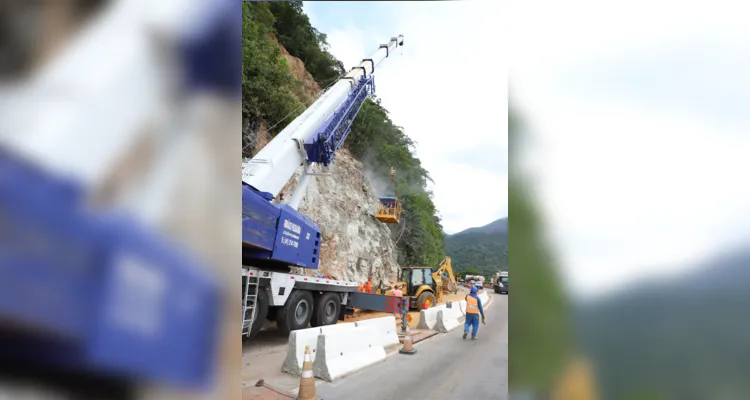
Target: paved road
444 368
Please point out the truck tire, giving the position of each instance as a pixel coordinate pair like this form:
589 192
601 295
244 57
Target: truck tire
327 309
261 312
424 296
296 313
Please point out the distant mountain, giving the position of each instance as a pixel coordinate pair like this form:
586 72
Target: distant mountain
483 248
501 225
686 338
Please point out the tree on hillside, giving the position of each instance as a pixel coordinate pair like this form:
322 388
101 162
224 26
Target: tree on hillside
267 86
421 243
302 40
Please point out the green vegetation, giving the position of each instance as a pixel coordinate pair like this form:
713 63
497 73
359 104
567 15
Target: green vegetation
302 40
271 93
538 315
482 250
380 144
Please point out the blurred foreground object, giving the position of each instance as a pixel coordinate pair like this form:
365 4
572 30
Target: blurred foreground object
116 214
577 383
540 336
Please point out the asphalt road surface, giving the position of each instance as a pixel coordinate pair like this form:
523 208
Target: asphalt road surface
445 367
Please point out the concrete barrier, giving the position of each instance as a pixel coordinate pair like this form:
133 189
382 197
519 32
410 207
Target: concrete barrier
342 353
447 318
428 317
484 297
335 328
298 339
385 329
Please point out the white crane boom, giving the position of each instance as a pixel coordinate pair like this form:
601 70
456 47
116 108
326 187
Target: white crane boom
274 166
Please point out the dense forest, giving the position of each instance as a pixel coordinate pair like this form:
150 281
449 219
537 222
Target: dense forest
480 251
273 97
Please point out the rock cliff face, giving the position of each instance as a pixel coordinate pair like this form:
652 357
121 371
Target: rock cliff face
355 244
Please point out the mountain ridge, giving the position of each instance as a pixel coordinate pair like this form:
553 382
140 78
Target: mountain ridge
498 225
482 249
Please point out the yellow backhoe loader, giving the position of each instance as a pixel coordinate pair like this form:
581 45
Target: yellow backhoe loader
425 286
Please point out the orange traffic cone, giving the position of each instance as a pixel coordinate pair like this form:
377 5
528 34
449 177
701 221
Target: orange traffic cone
408 341
307 382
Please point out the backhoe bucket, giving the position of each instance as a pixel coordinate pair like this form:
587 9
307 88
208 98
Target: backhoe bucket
389 210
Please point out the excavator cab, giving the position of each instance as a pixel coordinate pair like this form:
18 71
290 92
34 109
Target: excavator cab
389 210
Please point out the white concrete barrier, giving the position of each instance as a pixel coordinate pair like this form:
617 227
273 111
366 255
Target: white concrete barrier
344 352
447 318
298 339
484 297
335 328
428 317
385 329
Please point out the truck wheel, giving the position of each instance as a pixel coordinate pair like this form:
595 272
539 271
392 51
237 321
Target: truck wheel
327 308
426 296
296 313
261 312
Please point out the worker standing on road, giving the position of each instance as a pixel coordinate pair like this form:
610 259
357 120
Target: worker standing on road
398 293
473 310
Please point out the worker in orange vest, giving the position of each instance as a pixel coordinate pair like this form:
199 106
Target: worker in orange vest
473 310
368 285
398 293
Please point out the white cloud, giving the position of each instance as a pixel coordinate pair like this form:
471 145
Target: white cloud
448 90
633 189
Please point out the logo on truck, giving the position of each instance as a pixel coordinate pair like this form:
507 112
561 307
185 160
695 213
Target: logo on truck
292 238
292 226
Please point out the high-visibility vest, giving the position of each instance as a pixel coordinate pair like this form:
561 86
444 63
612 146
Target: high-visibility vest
472 305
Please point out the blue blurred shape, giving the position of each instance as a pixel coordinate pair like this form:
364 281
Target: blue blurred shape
212 49
99 291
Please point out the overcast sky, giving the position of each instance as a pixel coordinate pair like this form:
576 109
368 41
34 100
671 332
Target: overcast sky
639 112
448 91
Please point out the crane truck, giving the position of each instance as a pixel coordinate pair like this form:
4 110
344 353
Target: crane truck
276 237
